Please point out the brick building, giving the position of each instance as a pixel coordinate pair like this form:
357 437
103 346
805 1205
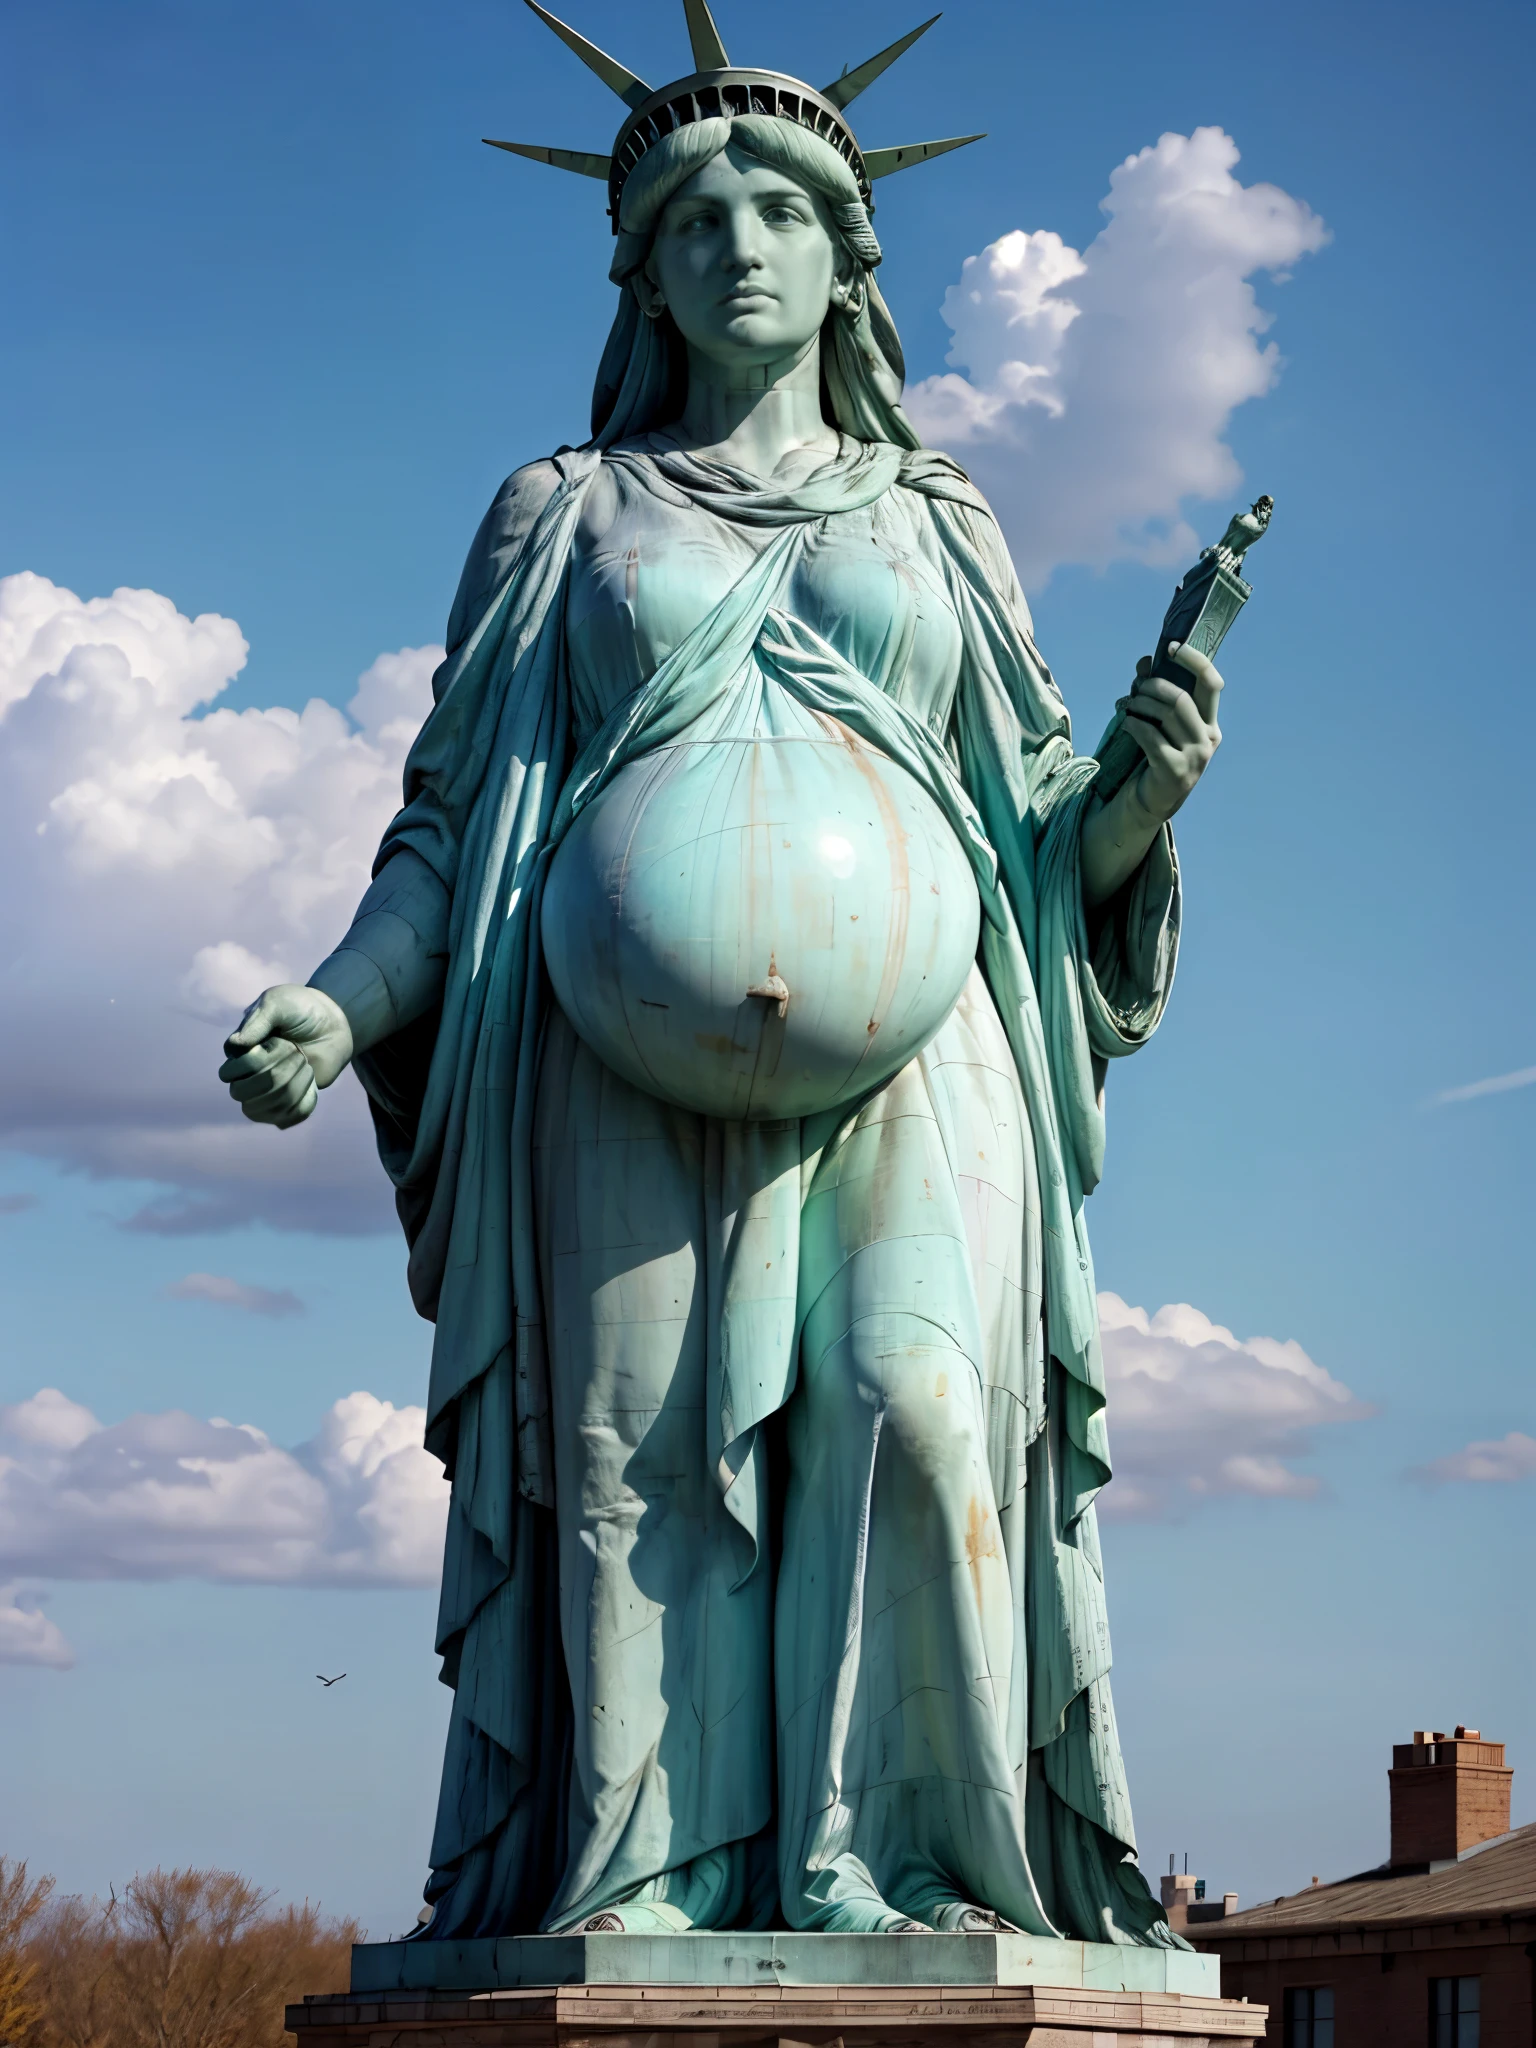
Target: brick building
1434 1949
1185 1903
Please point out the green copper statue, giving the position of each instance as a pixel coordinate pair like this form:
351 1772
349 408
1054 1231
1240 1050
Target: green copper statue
734 997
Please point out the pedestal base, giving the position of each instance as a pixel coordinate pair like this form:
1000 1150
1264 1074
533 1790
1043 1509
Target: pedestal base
774 1991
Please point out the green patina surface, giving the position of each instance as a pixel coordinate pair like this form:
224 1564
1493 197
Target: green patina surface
811 1959
772 1591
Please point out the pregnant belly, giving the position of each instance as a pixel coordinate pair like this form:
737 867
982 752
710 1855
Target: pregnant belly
760 927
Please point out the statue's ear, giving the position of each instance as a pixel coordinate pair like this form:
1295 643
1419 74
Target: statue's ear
647 290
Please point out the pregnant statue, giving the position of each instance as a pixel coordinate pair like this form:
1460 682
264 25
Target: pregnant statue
734 997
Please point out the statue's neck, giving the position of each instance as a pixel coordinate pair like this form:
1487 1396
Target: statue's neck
755 416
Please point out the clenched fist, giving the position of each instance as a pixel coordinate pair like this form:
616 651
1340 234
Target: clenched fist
292 1042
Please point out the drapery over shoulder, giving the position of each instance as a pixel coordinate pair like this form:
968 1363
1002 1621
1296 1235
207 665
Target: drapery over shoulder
481 783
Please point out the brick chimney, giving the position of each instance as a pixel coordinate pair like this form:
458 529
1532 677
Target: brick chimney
1449 1792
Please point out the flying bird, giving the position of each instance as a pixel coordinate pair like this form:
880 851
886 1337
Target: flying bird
331 1681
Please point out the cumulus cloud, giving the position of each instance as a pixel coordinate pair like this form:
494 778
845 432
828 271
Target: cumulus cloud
1099 383
167 1496
255 1301
1195 1412
50 1421
1496 1462
165 860
27 1636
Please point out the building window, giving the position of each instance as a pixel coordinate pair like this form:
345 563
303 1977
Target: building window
1455 2005
1309 2017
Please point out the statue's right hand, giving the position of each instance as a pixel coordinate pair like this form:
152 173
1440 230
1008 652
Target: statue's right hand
291 1042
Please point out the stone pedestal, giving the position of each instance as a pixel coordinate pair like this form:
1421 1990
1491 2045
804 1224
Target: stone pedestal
774 1991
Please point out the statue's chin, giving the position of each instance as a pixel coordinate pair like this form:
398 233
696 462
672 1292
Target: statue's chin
753 339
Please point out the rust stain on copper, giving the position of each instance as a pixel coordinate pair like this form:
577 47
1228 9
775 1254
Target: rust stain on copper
717 1042
980 1541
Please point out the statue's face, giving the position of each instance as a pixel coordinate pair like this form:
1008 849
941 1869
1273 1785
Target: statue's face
745 257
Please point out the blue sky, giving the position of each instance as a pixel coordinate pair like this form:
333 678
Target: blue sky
277 325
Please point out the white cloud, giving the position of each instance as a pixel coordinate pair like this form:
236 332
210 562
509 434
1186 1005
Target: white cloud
49 1421
1498 1461
1497 1084
169 1496
164 862
27 1636
1194 1412
1100 384
223 979
227 1293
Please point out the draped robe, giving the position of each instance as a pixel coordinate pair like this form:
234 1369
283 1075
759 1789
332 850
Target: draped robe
491 786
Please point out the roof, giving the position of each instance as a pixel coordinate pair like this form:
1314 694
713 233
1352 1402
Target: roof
1494 1878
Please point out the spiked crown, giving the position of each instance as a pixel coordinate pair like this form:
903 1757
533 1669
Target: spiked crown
719 88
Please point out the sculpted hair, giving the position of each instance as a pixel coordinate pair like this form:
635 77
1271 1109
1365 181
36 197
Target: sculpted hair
642 380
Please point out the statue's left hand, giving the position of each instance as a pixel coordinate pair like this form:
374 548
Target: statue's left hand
1175 728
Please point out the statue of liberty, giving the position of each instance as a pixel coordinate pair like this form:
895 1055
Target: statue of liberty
734 997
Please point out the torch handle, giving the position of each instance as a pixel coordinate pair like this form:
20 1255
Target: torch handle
1203 608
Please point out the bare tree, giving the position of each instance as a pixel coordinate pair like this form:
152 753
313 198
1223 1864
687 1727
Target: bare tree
183 1959
21 1900
72 1948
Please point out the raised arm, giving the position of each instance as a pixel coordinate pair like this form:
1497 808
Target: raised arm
388 971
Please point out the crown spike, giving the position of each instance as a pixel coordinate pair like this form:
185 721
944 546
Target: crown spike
842 92
880 163
633 91
582 161
708 50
